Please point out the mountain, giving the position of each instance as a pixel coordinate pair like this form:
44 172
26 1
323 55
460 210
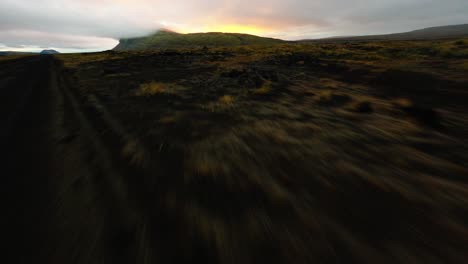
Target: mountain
168 39
454 31
49 52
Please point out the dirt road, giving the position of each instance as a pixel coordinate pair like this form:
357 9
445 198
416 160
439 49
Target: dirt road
55 208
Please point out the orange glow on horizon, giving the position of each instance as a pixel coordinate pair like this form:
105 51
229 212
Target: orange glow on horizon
228 28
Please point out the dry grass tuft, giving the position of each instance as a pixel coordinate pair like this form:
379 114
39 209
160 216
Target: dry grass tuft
226 100
168 120
152 88
402 103
330 83
329 98
264 89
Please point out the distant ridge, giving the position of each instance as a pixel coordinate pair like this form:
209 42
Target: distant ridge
10 53
443 32
169 39
44 52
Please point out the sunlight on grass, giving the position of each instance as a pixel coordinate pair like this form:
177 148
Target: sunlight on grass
264 89
226 100
402 102
152 88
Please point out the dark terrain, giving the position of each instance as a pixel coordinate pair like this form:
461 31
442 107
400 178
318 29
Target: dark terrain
288 153
432 33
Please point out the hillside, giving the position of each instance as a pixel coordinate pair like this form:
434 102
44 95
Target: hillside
167 39
49 52
443 32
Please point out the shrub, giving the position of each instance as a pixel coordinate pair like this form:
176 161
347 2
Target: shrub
423 114
328 98
362 107
460 43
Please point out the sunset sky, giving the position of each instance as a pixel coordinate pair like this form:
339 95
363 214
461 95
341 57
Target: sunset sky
91 25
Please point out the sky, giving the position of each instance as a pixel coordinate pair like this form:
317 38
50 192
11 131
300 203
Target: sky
95 25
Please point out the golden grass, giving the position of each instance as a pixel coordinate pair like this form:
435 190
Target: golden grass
168 120
402 102
222 103
76 59
152 88
226 100
12 57
330 83
264 89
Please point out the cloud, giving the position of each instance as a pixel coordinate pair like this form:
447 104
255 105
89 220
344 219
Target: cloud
95 24
38 40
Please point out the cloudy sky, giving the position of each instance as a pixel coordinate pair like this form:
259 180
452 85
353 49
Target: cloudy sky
91 25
